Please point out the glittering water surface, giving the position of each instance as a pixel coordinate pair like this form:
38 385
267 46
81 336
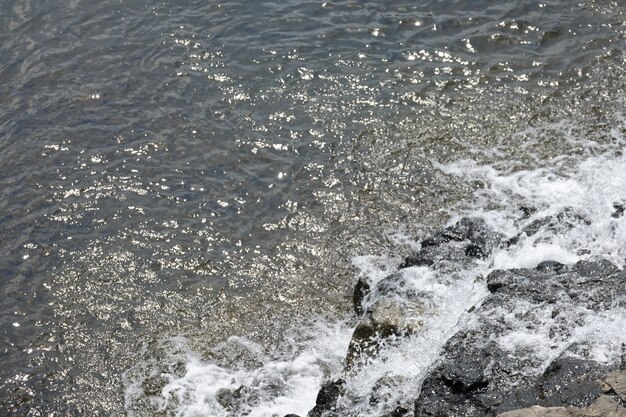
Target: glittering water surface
204 170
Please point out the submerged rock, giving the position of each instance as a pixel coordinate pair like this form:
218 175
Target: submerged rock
555 225
493 367
398 412
469 238
386 318
396 310
231 399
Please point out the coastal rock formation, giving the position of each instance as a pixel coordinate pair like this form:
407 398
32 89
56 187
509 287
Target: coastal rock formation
489 368
394 307
521 351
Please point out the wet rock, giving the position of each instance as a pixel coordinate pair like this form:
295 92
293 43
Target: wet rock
485 371
419 259
386 317
384 389
231 399
553 225
398 412
538 224
605 406
550 266
498 279
527 211
472 229
361 290
469 238
225 398
392 308
569 381
327 398
154 385
466 378
397 284
599 269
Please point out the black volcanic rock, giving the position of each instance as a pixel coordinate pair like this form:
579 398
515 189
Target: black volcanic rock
478 376
517 352
327 397
361 290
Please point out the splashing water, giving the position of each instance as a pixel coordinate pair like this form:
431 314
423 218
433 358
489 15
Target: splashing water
574 193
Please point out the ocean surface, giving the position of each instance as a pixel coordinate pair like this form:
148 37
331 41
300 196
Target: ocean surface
190 190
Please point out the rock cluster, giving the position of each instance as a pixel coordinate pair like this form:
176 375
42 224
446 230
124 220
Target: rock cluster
485 369
479 376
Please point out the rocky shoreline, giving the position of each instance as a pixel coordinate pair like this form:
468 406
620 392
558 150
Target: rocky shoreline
490 367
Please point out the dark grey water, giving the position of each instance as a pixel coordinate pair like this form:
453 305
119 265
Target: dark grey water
203 170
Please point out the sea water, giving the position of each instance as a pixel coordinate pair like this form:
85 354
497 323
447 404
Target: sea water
190 191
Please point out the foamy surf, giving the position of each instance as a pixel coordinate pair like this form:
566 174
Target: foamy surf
257 384
566 211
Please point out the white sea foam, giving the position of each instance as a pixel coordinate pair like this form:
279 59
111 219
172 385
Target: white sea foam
278 386
530 255
582 195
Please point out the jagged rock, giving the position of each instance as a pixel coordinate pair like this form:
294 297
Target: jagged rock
469 238
327 398
619 210
550 266
480 376
554 225
361 290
